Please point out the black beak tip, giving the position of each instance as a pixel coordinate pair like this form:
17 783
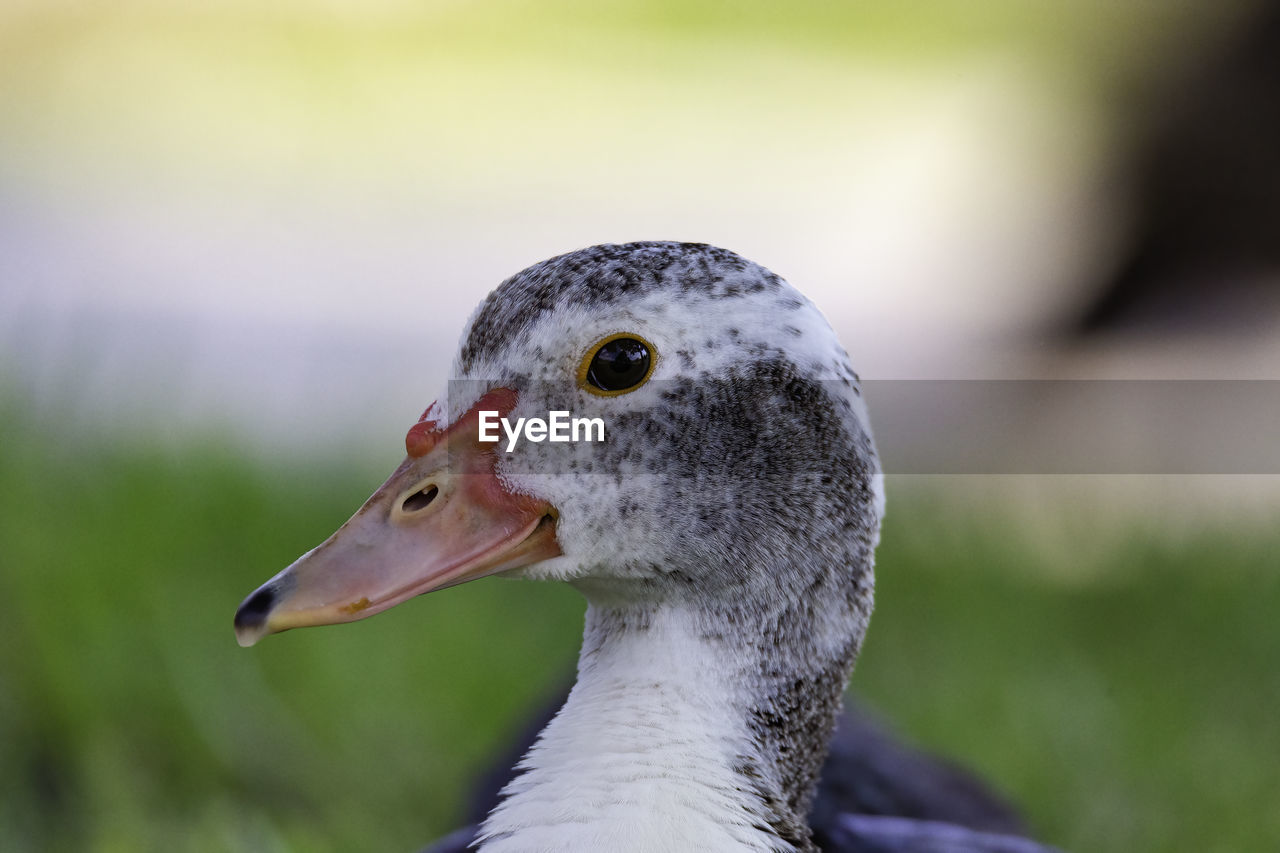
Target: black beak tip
251 616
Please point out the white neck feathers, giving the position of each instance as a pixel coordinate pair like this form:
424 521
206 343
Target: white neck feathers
642 757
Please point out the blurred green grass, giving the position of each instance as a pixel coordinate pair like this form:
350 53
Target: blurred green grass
1129 707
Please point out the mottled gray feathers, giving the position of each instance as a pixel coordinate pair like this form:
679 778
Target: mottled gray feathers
603 274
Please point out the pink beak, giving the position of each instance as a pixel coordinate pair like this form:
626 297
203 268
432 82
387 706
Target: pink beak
442 518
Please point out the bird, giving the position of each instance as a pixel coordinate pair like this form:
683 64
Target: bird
722 532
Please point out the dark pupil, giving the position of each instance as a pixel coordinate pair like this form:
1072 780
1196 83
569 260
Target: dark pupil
619 364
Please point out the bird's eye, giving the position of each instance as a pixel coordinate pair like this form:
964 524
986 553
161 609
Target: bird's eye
617 364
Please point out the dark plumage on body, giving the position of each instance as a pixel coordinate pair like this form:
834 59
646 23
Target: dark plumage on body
875 794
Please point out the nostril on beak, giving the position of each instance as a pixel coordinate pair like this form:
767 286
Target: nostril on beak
420 499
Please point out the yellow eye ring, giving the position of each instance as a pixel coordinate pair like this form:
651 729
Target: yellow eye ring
617 364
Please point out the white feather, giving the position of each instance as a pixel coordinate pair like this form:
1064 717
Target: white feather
640 758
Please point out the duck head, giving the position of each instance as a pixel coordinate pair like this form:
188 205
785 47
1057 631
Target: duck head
736 464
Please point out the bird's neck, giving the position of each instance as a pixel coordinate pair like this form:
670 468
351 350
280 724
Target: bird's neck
681 733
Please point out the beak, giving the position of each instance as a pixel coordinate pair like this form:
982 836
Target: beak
442 518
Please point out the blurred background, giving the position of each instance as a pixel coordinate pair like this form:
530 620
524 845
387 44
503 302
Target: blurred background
238 243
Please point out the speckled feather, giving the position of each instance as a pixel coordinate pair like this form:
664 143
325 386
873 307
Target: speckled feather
609 275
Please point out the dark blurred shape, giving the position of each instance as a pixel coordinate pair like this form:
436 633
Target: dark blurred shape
875 794
869 771
871 834
1204 249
